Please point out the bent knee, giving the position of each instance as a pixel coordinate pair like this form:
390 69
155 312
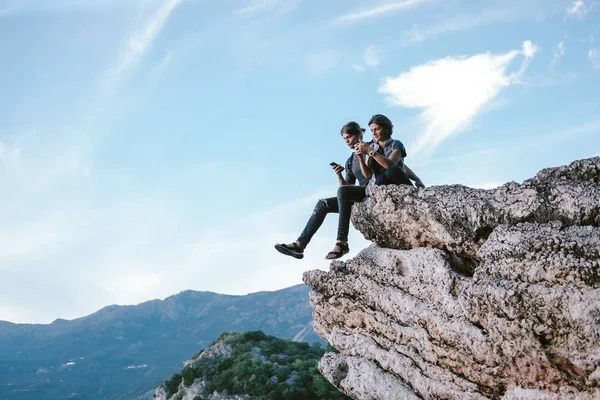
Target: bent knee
342 191
321 206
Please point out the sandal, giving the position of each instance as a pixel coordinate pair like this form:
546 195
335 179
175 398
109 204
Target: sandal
292 250
337 254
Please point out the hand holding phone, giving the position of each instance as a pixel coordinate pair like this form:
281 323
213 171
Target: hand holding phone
336 167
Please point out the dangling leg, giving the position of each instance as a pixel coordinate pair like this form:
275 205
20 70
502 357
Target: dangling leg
346 196
322 208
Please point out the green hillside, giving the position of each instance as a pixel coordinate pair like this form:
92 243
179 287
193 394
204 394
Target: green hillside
255 365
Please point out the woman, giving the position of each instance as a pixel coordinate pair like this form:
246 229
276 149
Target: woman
386 155
358 167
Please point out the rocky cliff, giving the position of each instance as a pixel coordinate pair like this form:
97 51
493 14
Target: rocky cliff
469 293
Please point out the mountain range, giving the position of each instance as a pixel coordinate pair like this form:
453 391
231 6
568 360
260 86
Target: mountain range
120 352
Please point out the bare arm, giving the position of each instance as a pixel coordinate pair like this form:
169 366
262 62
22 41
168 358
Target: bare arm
364 168
412 176
382 160
386 162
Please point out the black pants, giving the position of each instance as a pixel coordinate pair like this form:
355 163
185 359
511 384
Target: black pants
342 204
393 175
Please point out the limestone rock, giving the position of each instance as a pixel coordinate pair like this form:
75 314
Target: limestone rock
218 349
161 393
459 219
361 378
469 294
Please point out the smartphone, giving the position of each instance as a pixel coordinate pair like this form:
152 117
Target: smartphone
333 164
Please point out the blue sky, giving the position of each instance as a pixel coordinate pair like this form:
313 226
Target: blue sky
166 145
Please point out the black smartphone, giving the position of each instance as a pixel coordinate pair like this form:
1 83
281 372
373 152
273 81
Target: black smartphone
333 164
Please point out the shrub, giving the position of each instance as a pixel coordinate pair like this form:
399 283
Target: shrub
172 385
288 370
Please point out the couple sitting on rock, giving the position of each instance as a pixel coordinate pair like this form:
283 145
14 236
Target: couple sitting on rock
382 159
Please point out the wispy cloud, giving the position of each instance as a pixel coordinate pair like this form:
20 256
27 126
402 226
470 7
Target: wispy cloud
380 10
453 91
457 24
370 59
142 39
135 47
577 10
46 178
259 6
559 52
594 56
540 141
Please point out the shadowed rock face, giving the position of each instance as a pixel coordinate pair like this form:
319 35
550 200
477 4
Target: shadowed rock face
469 294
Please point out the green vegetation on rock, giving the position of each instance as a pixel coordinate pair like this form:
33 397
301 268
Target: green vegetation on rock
260 366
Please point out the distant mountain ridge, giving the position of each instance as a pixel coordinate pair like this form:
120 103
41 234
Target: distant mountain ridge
121 351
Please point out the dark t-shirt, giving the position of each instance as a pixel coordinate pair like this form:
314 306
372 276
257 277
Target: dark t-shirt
388 147
353 172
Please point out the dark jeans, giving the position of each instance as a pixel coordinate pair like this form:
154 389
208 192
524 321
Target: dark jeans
393 175
342 204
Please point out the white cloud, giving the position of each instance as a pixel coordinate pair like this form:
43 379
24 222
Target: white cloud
321 62
278 6
559 52
379 11
453 91
529 49
578 9
594 56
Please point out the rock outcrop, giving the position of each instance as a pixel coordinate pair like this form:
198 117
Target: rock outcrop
241 366
469 293
219 349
